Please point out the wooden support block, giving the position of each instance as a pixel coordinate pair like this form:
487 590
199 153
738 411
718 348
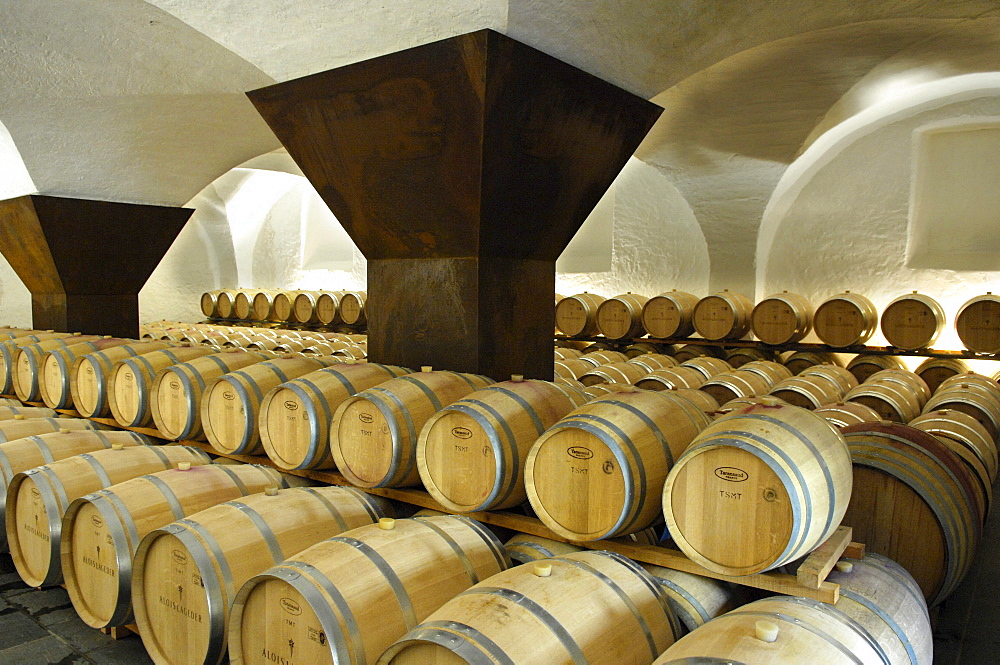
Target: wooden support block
821 561
121 632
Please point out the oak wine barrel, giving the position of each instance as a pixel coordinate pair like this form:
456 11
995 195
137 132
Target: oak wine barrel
801 360
845 319
935 370
38 499
671 378
624 372
912 321
842 414
130 382
101 531
653 361
693 598
27 365
577 315
741 356
863 366
374 433
352 307
595 474
382 579
541 622
620 317
178 565
782 318
668 315
732 385
978 324
807 392
295 417
723 316
470 453
57 369
776 481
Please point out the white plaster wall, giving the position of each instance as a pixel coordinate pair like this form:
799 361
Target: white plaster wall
839 217
657 243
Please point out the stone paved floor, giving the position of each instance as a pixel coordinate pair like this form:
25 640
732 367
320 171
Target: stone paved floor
40 627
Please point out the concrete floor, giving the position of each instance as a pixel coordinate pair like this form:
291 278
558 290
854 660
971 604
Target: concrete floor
40 627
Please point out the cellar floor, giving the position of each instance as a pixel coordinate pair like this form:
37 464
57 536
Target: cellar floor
39 627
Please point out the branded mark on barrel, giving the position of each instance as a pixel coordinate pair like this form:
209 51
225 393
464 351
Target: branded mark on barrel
35 493
175 385
461 433
179 557
96 521
290 606
366 417
228 395
731 474
579 452
291 406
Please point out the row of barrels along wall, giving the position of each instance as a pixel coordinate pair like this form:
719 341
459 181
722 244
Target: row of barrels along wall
911 321
322 308
330 575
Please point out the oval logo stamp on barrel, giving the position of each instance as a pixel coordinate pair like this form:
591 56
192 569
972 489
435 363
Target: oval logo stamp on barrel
290 606
291 406
732 474
179 557
579 452
461 433
366 417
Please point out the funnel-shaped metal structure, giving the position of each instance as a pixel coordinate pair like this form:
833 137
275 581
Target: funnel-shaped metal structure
85 261
461 169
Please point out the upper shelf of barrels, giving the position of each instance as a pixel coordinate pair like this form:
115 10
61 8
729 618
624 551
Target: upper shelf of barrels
275 306
910 323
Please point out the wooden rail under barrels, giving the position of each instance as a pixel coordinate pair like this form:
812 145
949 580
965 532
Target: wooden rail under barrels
809 581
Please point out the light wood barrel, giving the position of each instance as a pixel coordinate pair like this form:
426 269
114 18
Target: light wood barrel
604 389
10 347
18 427
840 377
210 304
708 366
773 371
693 598
913 502
668 315
776 481
625 373
968 444
382 580
56 372
9 412
843 414
846 319
645 348
541 622
744 402
974 401
806 631
567 354
807 392
231 403
978 381
90 375
863 366
243 305
598 358
38 499
577 315
723 315
470 453
880 595
893 401
373 438
240 538
912 321
284 303
909 379
671 378
6 332
801 360
117 518
28 365
328 307
935 370
295 417
741 356
352 307
595 474
130 382
620 317
176 391
304 307
782 318
978 324
689 351
653 361
524 548
224 303
573 368
19 455
262 306
732 385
